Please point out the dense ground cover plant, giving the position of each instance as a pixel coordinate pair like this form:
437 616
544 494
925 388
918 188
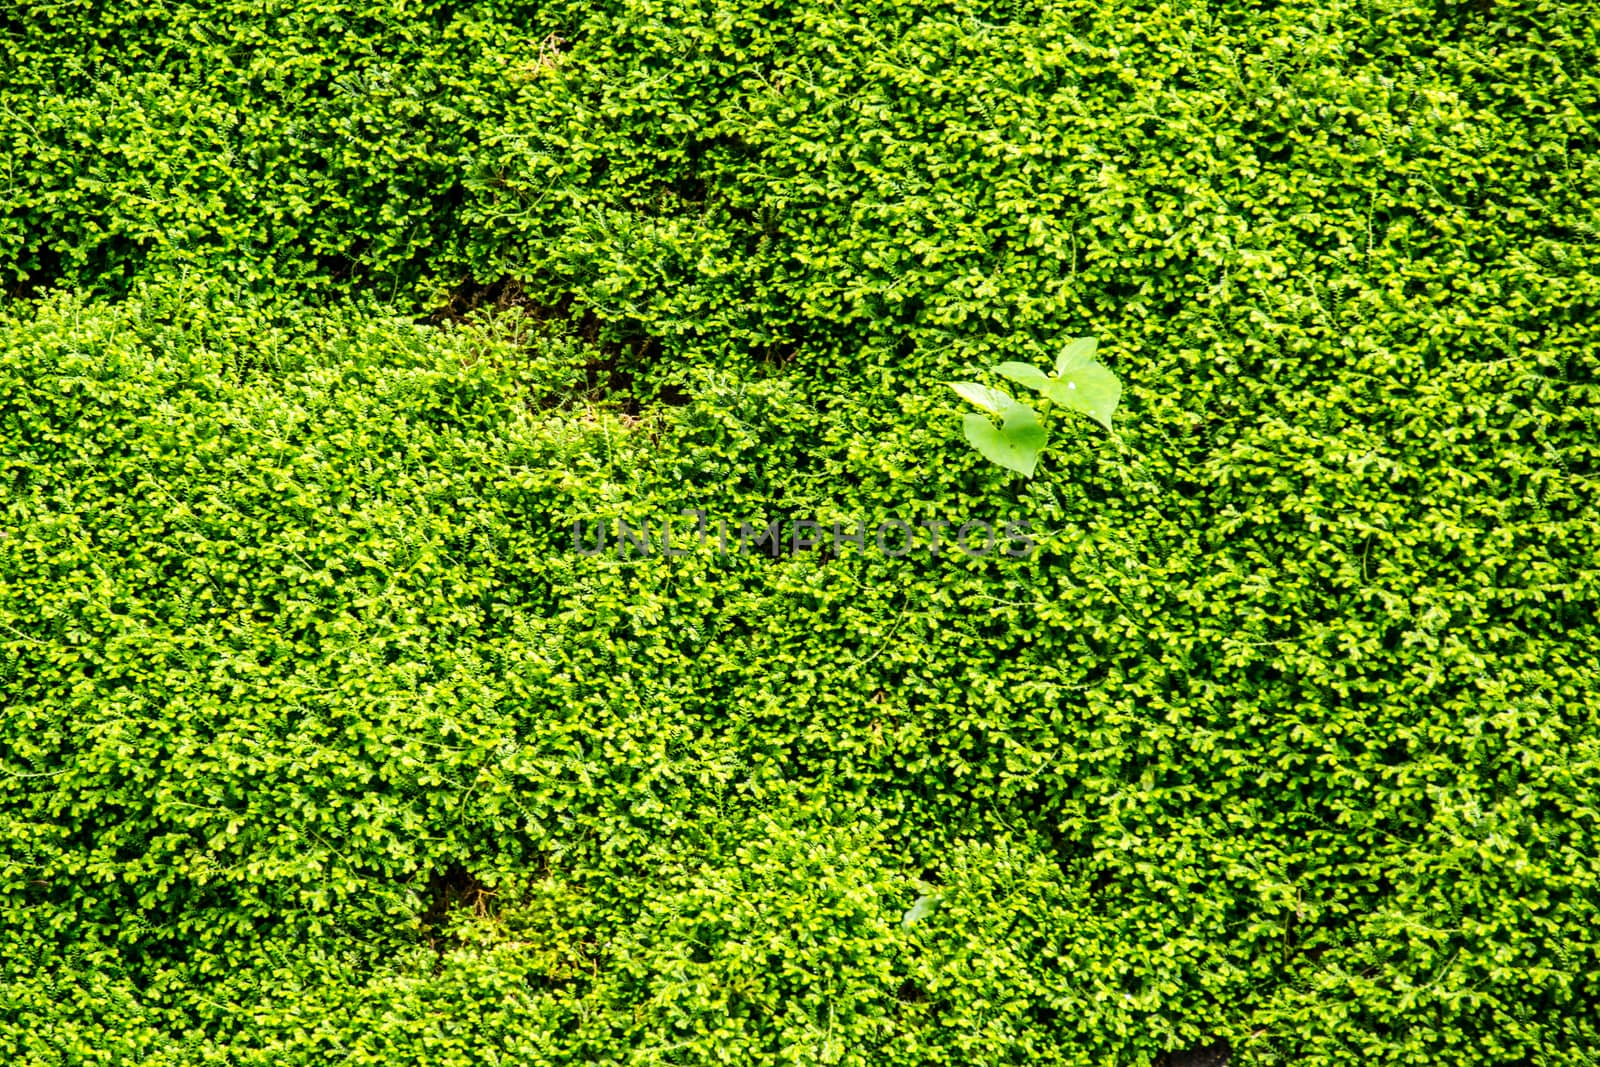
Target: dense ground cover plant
285 142
319 742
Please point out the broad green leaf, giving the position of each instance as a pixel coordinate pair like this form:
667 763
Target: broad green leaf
1077 351
994 401
991 400
1084 384
1024 375
1015 444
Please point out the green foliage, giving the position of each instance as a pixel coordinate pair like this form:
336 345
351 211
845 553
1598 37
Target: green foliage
1017 442
1285 734
321 142
1078 384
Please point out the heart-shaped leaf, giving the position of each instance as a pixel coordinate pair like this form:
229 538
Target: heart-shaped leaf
1015 444
1024 375
1084 384
994 401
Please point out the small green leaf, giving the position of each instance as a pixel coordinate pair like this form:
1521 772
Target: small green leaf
1084 384
1015 444
921 909
1024 375
994 401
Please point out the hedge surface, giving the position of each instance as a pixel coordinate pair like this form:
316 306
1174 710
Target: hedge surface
323 740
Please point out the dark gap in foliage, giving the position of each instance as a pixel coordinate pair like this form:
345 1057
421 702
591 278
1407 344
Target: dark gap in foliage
691 189
619 350
673 395
910 993
44 276
1217 1054
471 295
449 890
344 266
